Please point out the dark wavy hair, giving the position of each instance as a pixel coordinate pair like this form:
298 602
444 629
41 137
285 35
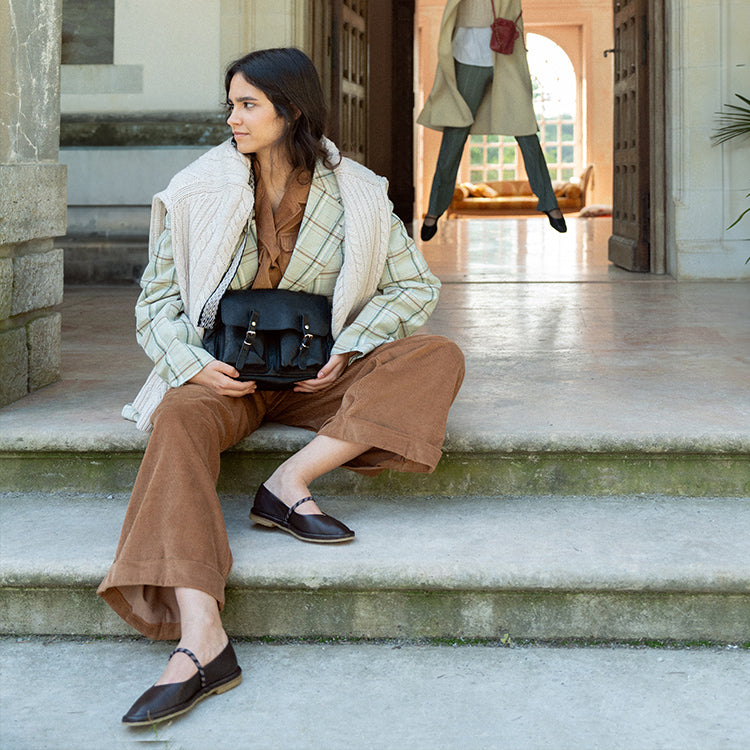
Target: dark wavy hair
288 78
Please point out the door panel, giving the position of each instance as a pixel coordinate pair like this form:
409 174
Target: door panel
629 245
350 60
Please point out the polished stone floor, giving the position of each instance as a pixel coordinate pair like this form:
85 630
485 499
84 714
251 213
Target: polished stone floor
563 350
523 250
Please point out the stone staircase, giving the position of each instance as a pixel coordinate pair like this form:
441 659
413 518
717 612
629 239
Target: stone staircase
534 533
538 546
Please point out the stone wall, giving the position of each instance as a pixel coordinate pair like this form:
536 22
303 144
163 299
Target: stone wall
707 59
32 196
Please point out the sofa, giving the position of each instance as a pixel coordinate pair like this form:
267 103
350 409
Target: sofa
515 197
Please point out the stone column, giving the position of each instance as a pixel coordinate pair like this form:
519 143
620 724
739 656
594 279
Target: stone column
32 196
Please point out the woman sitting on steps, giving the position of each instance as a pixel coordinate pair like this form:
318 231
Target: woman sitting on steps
310 221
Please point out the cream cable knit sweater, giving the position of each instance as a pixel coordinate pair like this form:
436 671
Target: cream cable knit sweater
209 203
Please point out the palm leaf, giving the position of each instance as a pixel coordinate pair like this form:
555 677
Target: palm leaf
737 220
733 123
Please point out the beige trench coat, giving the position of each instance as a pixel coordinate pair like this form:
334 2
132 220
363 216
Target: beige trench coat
507 108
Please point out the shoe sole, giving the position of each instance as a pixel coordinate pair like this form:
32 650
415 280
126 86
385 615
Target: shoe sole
316 540
217 690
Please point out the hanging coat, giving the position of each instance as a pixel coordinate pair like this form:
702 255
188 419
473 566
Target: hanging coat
507 108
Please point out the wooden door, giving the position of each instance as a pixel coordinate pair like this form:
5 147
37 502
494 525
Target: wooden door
401 173
320 44
629 245
349 72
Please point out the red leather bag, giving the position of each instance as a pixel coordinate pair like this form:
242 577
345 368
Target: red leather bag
504 33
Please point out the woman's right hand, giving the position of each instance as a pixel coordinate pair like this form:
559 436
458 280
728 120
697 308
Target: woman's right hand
221 377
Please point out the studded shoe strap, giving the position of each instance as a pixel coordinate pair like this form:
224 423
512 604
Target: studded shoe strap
296 505
201 671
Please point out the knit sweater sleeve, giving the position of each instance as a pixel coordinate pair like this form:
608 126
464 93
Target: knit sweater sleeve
162 328
407 295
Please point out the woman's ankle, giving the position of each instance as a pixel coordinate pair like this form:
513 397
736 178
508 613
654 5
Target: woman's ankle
286 486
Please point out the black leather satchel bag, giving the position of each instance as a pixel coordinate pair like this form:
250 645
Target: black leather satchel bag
275 337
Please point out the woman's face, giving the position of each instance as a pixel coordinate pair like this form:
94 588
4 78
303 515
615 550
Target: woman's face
256 126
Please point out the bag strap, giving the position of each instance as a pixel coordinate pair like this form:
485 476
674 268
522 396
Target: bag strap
207 317
249 341
494 13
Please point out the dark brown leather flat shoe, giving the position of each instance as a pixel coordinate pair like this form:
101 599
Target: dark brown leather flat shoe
162 702
268 510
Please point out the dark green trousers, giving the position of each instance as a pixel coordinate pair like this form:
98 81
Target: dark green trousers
472 82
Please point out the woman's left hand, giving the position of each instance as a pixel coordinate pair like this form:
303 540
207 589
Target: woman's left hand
329 373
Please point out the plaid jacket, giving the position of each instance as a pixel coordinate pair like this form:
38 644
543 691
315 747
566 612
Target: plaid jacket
407 291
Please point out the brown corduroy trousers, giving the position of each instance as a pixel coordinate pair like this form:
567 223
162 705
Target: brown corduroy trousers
395 399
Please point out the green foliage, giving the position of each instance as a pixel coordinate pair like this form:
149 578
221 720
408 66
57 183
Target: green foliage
733 124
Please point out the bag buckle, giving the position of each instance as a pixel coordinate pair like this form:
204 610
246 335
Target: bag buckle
307 337
250 332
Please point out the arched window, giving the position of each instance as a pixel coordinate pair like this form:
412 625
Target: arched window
495 157
554 82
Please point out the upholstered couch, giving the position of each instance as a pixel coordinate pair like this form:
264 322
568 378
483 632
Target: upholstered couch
515 196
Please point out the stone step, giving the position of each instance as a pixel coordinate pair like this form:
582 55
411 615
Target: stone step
103 455
385 696
622 567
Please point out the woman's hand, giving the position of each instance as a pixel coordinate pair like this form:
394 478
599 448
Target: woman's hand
329 373
222 378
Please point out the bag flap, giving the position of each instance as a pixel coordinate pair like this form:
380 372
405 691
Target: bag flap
278 310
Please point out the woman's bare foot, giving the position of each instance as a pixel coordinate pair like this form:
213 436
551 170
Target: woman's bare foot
202 633
290 482
289 489
180 667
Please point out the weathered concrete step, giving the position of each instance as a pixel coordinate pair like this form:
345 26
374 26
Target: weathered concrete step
385 695
474 567
105 457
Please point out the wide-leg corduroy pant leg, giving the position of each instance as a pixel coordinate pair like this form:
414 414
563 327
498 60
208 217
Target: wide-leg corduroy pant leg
395 399
174 532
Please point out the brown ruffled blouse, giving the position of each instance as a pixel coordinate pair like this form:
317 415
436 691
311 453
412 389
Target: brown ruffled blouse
277 233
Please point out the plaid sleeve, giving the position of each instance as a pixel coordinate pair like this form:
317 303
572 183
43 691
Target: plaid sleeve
408 293
162 327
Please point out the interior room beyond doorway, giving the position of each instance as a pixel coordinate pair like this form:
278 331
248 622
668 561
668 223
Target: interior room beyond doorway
579 133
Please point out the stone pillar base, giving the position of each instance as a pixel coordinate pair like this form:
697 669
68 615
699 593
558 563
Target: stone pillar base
33 196
30 284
